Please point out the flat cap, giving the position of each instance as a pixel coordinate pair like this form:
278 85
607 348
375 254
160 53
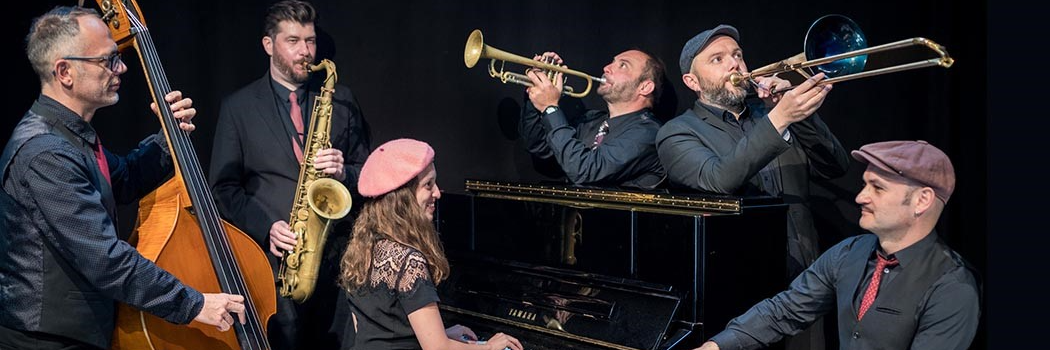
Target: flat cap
697 43
915 160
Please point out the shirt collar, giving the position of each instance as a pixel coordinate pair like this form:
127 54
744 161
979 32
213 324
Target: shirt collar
726 115
55 110
912 252
281 92
623 119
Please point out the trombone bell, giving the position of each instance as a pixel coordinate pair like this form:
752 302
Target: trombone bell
836 46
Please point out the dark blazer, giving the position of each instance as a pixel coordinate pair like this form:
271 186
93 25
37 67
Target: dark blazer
701 151
254 171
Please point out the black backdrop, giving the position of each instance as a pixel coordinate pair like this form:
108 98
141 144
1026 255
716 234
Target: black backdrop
403 59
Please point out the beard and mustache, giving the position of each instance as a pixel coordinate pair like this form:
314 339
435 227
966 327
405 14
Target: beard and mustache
288 69
617 93
716 93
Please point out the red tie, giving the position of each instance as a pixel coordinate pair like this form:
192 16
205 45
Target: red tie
881 268
297 120
100 157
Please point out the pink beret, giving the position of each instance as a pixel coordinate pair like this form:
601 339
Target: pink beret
915 160
392 165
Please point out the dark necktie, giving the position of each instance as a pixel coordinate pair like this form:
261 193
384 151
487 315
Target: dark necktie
297 120
602 130
100 157
882 267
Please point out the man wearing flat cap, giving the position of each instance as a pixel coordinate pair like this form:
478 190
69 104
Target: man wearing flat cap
900 287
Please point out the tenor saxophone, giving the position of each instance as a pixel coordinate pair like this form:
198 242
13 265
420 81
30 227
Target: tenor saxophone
319 199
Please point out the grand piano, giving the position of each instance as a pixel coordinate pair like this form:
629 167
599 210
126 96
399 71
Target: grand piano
563 267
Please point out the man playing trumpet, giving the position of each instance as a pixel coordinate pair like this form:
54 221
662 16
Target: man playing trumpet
613 148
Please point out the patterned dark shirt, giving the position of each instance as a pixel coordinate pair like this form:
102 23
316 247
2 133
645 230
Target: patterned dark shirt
54 203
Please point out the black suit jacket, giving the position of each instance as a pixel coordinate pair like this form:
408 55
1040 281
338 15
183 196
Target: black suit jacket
701 151
254 171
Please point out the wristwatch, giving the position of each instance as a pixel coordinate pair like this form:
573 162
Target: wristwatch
549 110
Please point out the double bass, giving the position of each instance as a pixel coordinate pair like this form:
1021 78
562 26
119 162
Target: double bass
179 227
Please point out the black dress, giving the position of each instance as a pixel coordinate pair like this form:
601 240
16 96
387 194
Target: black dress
399 284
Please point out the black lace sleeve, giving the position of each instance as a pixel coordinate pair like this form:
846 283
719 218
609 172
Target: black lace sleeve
415 287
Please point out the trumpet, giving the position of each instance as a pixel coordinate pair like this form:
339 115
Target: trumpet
835 46
476 50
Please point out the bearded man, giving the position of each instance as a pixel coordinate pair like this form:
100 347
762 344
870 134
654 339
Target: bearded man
602 148
256 159
770 145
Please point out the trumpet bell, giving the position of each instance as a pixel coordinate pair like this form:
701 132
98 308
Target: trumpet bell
832 35
475 47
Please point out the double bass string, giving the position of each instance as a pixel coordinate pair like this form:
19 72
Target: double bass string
228 271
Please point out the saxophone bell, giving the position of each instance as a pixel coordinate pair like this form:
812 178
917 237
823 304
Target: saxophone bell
329 198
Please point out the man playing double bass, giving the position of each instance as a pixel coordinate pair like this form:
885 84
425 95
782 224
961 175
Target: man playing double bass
62 266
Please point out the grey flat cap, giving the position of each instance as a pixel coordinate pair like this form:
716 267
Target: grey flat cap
697 43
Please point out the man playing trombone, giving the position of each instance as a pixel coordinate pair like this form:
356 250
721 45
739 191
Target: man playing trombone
614 147
771 145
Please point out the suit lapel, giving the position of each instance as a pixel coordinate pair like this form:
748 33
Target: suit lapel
706 116
266 110
722 143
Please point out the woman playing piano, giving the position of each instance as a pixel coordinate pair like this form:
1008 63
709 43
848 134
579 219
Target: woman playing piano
395 259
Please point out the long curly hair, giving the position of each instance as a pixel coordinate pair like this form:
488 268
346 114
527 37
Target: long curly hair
398 217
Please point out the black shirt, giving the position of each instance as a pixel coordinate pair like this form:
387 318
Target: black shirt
281 96
399 283
626 156
946 315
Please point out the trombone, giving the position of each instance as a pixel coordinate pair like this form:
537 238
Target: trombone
476 50
835 46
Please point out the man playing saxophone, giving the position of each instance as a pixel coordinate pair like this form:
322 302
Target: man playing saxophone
257 155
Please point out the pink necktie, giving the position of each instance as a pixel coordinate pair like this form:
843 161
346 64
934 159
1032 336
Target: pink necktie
297 120
881 268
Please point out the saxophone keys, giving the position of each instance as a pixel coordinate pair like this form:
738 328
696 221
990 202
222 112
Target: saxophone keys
298 228
303 214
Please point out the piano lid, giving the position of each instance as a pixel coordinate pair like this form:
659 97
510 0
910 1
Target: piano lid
585 197
608 312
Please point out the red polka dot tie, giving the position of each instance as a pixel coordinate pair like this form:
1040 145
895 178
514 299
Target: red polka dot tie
882 267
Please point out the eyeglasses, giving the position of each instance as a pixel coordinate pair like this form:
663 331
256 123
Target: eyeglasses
112 60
